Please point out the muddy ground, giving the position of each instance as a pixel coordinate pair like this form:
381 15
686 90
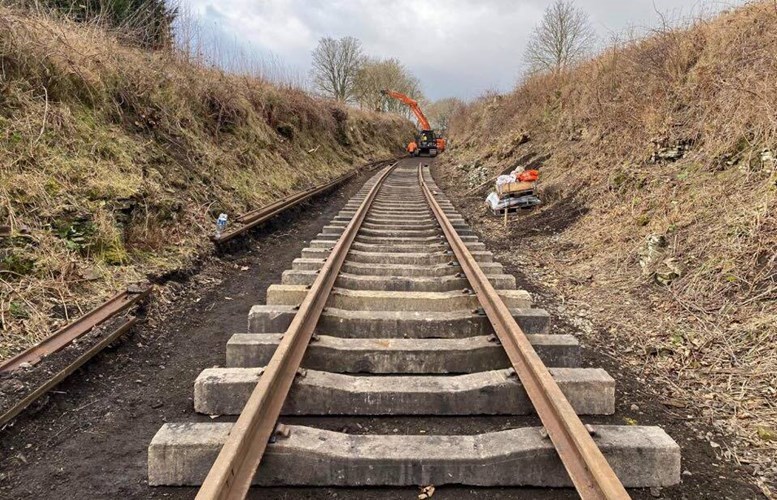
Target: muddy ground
88 439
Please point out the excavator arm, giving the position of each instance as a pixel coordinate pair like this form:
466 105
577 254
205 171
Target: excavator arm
423 123
425 142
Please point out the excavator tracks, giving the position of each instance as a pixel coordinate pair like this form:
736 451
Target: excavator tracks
424 363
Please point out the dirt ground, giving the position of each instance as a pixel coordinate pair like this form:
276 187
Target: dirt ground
705 474
88 439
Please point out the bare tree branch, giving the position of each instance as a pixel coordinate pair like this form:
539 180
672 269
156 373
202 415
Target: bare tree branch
376 75
563 37
335 64
440 112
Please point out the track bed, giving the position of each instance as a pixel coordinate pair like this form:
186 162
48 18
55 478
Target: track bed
402 333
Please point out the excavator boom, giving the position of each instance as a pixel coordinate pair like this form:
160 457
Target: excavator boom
423 123
426 142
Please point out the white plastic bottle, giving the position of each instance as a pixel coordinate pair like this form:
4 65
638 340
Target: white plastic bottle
221 225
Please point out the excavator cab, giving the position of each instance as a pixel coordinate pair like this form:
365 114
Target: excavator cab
426 142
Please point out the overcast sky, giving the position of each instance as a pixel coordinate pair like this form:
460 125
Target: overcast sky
455 47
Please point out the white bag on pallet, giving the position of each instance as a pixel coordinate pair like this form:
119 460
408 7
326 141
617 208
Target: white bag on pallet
505 179
526 201
495 202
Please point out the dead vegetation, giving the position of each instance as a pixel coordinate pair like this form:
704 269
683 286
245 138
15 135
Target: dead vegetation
667 148
115 162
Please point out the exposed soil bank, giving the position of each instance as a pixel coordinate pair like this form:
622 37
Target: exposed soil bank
658 176
115 162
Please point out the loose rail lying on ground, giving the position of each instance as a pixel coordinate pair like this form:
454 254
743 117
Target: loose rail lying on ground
231 474
117 304
254 218
61 338
128 298
65 372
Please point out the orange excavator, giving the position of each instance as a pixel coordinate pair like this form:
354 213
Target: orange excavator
426 142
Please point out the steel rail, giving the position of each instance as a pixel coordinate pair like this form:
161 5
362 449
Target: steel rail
591 475
65 372
231 474
64 336
260 213
253 219
263 214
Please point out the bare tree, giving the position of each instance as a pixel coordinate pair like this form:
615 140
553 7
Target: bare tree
375 75
335 64
440 112
563 37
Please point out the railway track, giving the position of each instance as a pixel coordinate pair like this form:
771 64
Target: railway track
397 312
252 219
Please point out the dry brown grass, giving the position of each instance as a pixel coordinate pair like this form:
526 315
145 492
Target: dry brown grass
710 337
114 162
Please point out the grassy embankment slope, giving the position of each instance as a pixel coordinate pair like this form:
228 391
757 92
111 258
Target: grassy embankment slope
115 162
672 139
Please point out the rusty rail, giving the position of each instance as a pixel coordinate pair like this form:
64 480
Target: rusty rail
254 218
590 473
65 372
64 336
231 474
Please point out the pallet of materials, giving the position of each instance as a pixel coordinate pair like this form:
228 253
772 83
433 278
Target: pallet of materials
511 202
514 187
514 191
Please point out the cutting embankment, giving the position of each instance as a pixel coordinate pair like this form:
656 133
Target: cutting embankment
116 161
659 224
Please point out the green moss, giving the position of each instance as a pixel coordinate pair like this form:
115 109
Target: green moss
18 310
742 144
52 187
618 179
114 255
17 263
76 232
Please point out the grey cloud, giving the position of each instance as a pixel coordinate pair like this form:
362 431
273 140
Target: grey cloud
455 47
